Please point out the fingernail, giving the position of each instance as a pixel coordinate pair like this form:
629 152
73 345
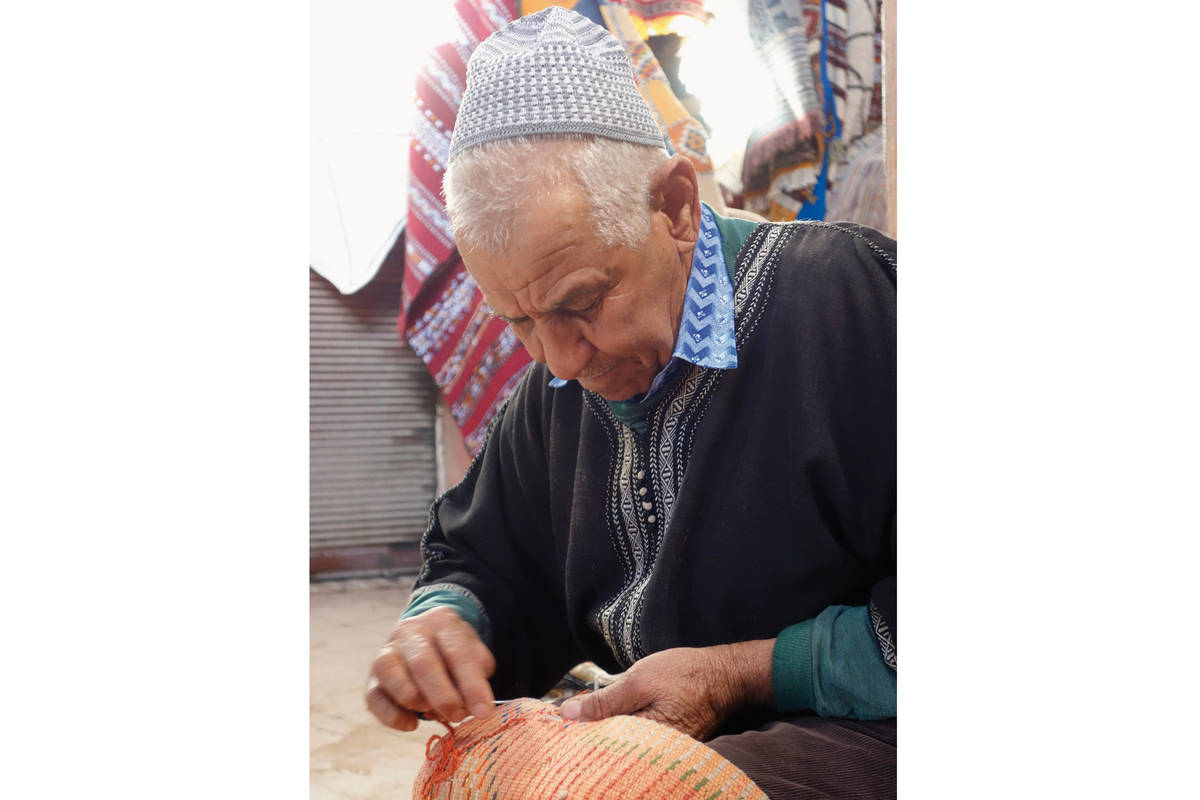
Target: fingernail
481 710
571 709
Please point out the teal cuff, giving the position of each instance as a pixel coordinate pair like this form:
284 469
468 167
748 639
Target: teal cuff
832 665
439 598
791 668
850 678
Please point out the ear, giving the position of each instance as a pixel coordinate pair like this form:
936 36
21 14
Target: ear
675 193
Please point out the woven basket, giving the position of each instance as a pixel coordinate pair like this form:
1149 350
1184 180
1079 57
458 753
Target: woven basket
527 751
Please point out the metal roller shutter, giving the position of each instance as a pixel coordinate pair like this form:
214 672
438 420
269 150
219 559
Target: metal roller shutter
371 431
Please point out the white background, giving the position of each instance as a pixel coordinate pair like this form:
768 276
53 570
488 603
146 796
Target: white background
364 56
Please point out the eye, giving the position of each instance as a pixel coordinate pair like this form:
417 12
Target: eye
519 322
519 325
591 308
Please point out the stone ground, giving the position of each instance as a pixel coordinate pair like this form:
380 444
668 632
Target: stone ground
351 755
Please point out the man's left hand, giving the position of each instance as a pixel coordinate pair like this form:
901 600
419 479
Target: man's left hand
692 689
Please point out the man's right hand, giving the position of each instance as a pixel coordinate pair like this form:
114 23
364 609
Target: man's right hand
432 662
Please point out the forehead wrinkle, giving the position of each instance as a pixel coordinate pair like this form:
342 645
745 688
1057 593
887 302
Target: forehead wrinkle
522 294
528 288
567 265
580 283
585 286
569 248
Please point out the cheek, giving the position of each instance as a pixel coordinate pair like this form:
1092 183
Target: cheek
630 340
640 324
653 330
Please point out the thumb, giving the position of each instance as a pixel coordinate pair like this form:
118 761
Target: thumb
620 697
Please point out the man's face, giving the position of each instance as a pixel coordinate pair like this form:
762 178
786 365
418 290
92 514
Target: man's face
604 316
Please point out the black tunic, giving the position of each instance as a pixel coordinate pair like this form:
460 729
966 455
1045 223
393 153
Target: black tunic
770 489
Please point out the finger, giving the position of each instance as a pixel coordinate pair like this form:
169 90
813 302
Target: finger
470 664
428 671
623 696
388 712
395 680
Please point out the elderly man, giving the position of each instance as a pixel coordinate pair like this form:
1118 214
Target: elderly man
695 484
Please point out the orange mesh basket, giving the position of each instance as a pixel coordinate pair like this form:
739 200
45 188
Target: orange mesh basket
527 751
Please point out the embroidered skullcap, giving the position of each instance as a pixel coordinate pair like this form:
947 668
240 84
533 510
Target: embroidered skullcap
526 751
551 72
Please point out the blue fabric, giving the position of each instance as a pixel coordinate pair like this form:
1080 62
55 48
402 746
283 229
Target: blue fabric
816 209
589 9
706 331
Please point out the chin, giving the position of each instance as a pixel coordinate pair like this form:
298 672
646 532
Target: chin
616 389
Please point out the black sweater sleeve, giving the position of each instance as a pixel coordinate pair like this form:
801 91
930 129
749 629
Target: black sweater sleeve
491 535
878 254
849 308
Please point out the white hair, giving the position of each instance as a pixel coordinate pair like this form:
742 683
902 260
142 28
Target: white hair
487 185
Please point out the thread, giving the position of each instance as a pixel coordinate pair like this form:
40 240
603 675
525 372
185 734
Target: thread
449 754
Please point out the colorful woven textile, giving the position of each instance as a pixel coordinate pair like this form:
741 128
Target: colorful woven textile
585 7
650 17
474 359
861 191
685 131
859 75
855 71
658 17
823 102
854 37
785 150
527 751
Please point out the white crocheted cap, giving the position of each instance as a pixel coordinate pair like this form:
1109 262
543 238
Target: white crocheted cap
548 73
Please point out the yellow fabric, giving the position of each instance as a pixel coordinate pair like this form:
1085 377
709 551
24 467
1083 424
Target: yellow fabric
526 7
685 131
679 24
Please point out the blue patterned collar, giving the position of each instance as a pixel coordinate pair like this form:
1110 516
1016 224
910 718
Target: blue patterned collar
706 332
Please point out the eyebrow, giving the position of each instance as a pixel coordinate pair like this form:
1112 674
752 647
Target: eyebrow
573 296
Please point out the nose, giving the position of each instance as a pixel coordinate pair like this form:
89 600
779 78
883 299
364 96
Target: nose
561 347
